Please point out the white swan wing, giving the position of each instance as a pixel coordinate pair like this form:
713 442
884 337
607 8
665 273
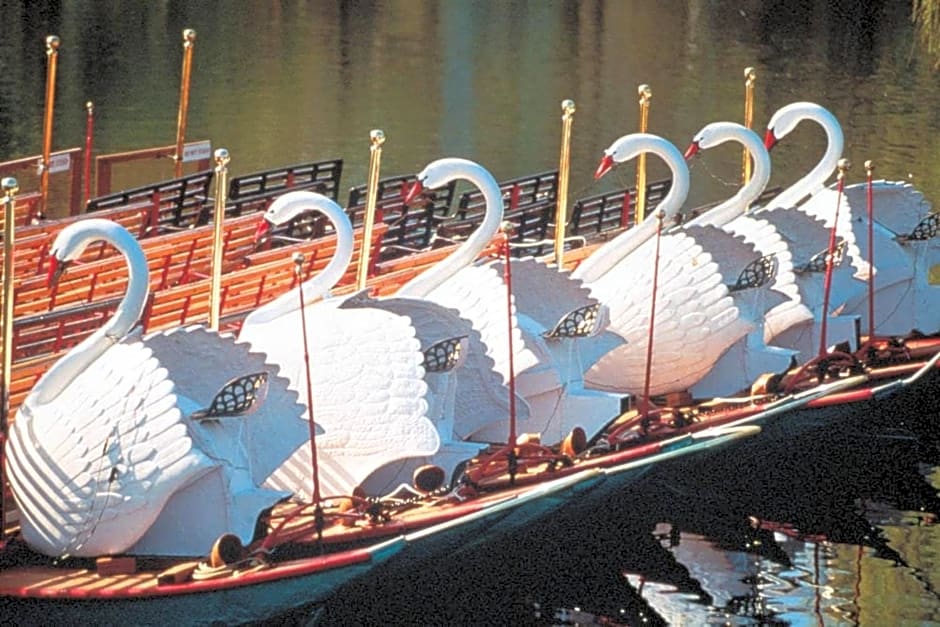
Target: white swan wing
897 205
368 393
201 363
479 294
92 470
693 310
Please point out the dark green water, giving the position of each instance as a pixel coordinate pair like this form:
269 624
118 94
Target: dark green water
283 82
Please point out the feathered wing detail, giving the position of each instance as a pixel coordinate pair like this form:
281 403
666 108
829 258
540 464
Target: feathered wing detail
92 471
368 395
906 247
479 396
897 205
246 448
696 319
479 294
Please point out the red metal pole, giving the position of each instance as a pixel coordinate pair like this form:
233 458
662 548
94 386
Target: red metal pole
869 168
645 401
507 275
298 259
843 166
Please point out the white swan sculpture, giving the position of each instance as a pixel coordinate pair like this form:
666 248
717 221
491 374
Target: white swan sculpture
547 351
368 388
905 232
457 405
794 324
699 316
124 445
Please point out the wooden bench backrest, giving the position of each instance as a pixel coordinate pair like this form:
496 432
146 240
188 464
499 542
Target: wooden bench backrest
254 192
175 204
33 243
409 227
267 275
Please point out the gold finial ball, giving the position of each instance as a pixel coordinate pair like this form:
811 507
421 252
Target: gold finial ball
506 226
645 91
53 42
869 165
377 137
189 36
297 258
221 157
567 106
90 107
660 215
844 164
10 185
749 73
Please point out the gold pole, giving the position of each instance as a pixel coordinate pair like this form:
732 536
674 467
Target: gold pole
749 77
221 189
376 138
52 57
10 188
189 40
564 163
645 95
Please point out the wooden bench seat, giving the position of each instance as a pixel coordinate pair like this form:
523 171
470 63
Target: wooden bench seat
33 244
172 259
25 211
50 333
267 276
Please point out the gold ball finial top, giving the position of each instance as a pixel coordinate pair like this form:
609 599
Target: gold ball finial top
221 157
189 36
567 106
377 137
750 73
660 215
644 91
869 165
297 258
10 185
843 164
52 43
90 107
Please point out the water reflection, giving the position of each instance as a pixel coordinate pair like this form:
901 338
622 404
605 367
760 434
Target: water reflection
818 530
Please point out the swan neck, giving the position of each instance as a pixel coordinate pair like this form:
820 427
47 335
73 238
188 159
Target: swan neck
738 204
320 285
611 253
816 178
467 252
128 312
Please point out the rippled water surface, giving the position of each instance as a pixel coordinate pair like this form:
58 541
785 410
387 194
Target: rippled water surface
837 529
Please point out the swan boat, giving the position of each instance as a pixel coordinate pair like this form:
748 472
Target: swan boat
295 553
300 553
123 465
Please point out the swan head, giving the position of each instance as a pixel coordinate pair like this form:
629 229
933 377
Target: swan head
785 119
291 205
72 241
717 133
442 171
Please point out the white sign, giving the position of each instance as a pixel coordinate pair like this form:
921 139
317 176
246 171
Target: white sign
60 163
197 151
